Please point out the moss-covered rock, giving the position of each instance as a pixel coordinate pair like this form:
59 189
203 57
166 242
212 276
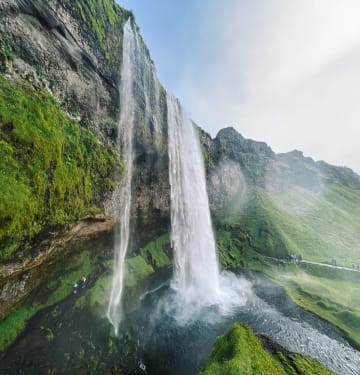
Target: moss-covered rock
240 351
51 170
55 284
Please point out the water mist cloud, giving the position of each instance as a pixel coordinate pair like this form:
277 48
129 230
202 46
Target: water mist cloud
234 293
226 183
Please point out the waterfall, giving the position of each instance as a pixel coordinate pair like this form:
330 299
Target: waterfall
196 273
123 193
139 104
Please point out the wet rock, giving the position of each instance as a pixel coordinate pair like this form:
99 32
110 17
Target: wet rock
18 278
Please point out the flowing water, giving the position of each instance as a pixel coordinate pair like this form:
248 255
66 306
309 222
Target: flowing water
123 195
68 338
196 274
139 94
173 346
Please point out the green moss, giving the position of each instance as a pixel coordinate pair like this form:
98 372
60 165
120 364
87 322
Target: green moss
5 54
209 162
11 326
239 351
155 252
98 293
230 249
137 270
81 267
303 365
51 170
59 285
103 19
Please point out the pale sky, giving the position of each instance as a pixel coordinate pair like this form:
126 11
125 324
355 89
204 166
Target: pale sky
280 71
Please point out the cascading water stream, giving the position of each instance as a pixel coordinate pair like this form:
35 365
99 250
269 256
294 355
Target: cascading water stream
196 274
139 104
123 193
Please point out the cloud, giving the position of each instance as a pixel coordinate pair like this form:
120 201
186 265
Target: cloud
281 71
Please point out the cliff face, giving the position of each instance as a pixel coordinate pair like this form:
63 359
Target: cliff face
50 49
70 50
73 49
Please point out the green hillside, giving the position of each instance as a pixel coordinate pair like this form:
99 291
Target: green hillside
321 226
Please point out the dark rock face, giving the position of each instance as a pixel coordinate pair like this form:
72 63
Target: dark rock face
20 276
231 143
50 51
53 47
252 157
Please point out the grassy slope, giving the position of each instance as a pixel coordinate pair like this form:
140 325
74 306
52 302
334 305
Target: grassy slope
320 226
239 351
334 214
51 170
333 296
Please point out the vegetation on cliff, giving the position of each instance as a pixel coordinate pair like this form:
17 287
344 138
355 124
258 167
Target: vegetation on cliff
102 21
239 351
52 171
101 18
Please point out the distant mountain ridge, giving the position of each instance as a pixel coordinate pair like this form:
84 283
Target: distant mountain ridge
258 161
287 203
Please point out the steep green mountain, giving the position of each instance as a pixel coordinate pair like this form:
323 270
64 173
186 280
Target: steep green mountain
240 351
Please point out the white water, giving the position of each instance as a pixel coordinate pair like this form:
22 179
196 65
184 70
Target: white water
196 274
139 105
123 195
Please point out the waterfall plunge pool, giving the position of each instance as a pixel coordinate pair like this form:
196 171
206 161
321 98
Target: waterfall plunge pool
177 339
171 337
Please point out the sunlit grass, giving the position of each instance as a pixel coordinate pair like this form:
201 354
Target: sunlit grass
239 351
